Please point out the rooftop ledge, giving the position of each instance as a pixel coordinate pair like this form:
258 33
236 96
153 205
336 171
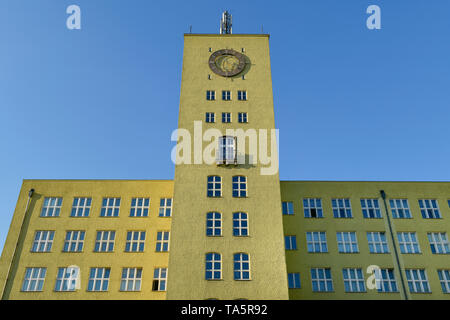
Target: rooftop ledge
262 35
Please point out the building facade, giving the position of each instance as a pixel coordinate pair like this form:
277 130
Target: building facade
225 229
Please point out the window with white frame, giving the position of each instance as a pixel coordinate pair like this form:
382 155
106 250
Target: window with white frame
227 151
290 242
347 242
74 241
239 186
242 95
321 280
444 279
213 266
353 280
377 242
34 279
165 207
162 241
400 208
316 241
312 208
240 224
51 207
139 207
287 207
99 279
371 208
439 242
341 208
408 242
385 280
241 266
242 117
131 279
104 241
294 281
81 207
67 278
226 95
226 117
429 209
210 117
159 279
214 187
43 241
135 241
213 224
110 207
417 281
210 95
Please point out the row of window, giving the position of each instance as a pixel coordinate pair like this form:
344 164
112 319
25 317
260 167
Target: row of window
316 242
67 278
384 280
81 207
210 117
226 95
214 186
213 266
312 208
104 241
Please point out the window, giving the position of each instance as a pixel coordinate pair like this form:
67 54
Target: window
316 242
159 279
81 207
110 207
385 280
210 117
353 280
214 187
429 209
370 208
226 95
74 241
341 208
290 242
162 241
105 241
51 207
294 280
213 224
347 242
377 242
239 186
417 281
242 95
408 242
210 95
98 279
444 279
213 268
165 207
139 207
312 208
34 279
240 224
242 117
67 278
241 266
400 209
131 279
226 117
321 280
43 241
135 241
439 243
227 152
288 207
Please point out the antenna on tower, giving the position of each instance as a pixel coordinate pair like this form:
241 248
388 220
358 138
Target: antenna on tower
225 23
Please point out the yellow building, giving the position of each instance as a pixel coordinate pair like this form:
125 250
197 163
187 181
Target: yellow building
226 227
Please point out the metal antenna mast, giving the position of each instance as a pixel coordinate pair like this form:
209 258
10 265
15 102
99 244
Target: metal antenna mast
225 23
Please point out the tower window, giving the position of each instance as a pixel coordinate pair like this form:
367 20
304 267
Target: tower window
213 224
288 207
139 207
294 280
240 224
341 208
213 267
226 95
214 186
210 95
400 208
162 241
347 242
241 266
51 207
34 279
159 279
239 186
135 241
242 95
210 117
312 208
321 280
242 117
165 207
290 242
99 279
371 208
429 209
226 117
110 207
227 151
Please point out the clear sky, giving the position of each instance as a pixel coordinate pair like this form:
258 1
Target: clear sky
102 102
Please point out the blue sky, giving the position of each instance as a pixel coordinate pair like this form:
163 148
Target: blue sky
101 102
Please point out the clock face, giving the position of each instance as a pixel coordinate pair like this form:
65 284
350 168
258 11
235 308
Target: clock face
227 62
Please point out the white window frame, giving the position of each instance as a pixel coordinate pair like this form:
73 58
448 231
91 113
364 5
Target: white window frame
242 95
444 279
110 208
74 238
210 117
108 242
226 95
417 281
408 242
81 207
377 242
385 280
241 192
139 243
241 259
160 275
371 208
216 224
346 244
140 207
210 95
102 276
400 209
290 242
294 278
287 208
131 280
214 186
326 281
439 241
51 207
226 117
353 280
339 204
213 259
34 279
428 210
165 208
43 241
310 204
162 242
67 279
315 242
242 117
227 150
241 218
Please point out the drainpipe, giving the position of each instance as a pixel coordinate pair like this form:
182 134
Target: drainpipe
397 259
30 195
